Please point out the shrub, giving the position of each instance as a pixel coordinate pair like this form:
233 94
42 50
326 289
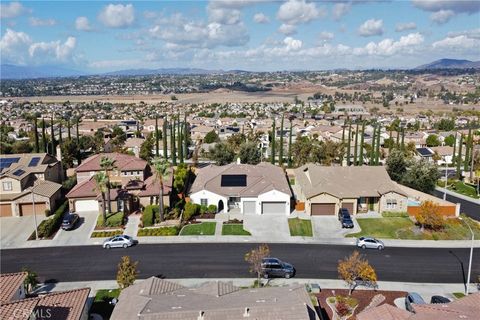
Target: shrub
113 220
49 226
191 209
48 212
392 214
342 308
69 183
163 231
203 209
106 234
429 216
212 208
149 215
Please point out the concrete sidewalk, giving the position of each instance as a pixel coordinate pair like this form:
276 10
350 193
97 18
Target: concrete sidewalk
458 195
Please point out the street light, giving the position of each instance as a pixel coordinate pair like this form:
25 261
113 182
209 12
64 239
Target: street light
446 179
34 214
471 255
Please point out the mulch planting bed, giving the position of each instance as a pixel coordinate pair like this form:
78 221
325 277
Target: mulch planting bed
363 296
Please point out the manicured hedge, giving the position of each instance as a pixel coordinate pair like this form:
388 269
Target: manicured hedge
150 215
105 234
191 209
162 231
393 214
49 226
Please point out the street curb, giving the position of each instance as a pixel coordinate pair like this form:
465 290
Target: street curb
458 195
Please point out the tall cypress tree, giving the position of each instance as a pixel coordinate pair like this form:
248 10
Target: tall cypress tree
272 156
372 152
454 148
44 137
180 140
164 138
52 133
280 155
79 155
60 138
468 150
377 152
173 147
186 136
397 143
290 145
403 139
157 147
355 150
361 144
35 128
459 157
343 141
349 137
69 127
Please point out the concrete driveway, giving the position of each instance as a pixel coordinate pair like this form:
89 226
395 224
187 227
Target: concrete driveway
329 227
14 231
267 226
81 233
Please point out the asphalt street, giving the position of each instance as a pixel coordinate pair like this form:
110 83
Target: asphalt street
86 263
469 208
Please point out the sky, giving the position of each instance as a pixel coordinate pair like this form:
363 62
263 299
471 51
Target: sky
97 36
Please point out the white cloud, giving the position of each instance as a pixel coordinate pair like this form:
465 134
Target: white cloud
371 27
442 16
473 34
14 46
223 15
13 10
294 12
325 35
389 47
261 18
405 26
82 24
457 43
340 9
61 52
37 22
457 6
292 44
117 15
287 29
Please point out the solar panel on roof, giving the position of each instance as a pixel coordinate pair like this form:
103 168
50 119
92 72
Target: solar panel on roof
7 162
34 161
233 180
19 172
424 152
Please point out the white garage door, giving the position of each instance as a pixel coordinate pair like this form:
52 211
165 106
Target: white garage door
273 207
86 205
249 207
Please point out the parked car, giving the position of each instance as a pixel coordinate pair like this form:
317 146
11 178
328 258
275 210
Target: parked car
69 221
273 267
370 243
411 298
121 241
439 299
345 218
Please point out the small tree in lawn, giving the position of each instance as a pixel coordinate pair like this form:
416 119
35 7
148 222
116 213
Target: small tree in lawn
31 281
255 257
127 272
354 270
429 216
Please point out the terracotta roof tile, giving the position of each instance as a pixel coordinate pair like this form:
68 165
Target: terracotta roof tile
18 310
9 284
123 162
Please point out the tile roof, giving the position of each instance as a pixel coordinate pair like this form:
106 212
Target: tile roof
66 305
18 310
345 182
46 188
28 163
152 186
85 189
384 312
261 178
123 162
9 285
466 308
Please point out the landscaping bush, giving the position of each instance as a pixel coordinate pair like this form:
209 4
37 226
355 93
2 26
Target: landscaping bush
106 234
149 215
163 231
212 209
191 209
69 183
113 220
392 214
233 221
49 226
172 214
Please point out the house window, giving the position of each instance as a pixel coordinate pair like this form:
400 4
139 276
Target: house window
204 202
391 204
7 186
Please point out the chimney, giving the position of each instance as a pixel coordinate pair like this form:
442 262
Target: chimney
307 173
201 315
238 160
246 314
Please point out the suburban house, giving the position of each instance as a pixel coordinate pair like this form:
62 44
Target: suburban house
12 287
249 189
324 190
29 184
158 299
135 185
66 305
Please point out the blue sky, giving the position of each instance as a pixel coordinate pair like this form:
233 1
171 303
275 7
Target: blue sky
99 36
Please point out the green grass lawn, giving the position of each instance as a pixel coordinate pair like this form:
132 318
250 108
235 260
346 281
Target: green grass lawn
464 189
404 228
234 230
299 227
113 219
199 229
101 304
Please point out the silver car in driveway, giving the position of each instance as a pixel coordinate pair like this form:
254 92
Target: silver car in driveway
121 241
370 243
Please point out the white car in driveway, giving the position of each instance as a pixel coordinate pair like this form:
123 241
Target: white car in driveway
370 243
121 241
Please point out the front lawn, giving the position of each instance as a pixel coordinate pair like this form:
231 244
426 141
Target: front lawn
300 227
199 229
113 220
101 303
234 230
465 189
404 228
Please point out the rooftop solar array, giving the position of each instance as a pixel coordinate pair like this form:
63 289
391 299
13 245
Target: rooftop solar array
34 162
425 152
18 172
7 162
234 180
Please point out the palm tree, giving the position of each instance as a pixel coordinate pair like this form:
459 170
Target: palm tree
162 171
101 182
108 165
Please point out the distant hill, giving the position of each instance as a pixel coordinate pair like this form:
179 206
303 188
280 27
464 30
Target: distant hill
8 71
173 71
450 64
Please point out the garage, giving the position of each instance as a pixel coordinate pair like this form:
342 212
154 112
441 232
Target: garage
26 209
273 207
86 205
5 210
249 207
322 209
348 206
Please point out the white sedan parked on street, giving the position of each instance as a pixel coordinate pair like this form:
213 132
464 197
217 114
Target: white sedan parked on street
121 241
370 243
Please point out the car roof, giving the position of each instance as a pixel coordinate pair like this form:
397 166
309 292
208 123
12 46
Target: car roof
415 296
270 260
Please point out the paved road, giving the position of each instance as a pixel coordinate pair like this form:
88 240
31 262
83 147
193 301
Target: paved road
84 263
469 208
